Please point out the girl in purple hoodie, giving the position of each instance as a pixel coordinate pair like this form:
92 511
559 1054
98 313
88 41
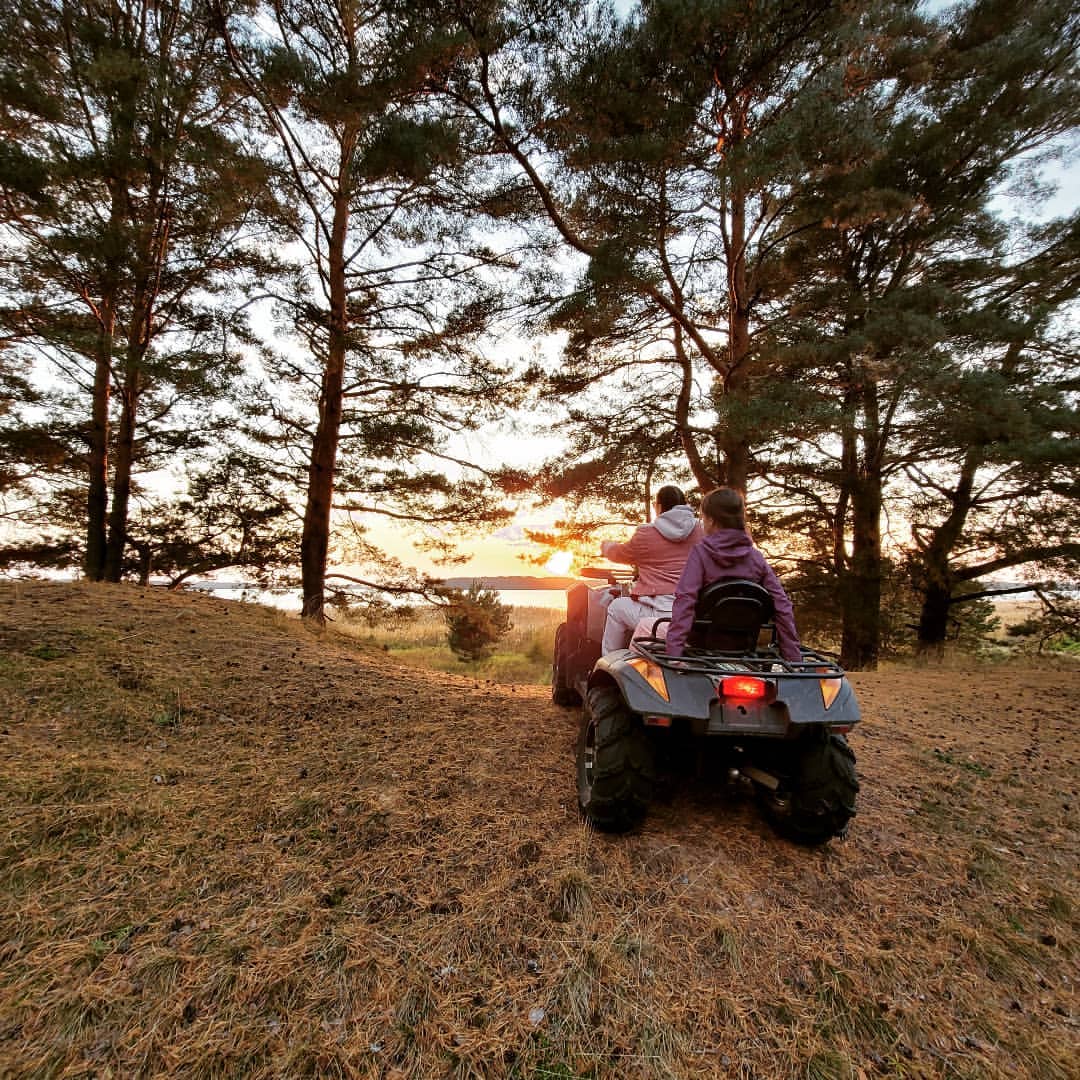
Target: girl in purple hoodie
727 552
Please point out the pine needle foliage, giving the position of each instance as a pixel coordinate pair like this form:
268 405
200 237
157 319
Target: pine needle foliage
476 621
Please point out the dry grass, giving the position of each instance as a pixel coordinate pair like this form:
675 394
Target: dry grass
522 656
234 847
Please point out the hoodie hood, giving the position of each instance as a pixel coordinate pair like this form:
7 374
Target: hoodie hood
725 548
676 524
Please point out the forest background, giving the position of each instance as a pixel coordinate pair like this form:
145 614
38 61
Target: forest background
268 271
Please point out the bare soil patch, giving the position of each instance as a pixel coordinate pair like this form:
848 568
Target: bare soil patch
232 846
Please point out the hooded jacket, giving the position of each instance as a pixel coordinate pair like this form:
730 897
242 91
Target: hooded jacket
659 550
729 554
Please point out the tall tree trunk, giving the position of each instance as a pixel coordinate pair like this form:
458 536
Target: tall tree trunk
138 344
860 584
97 488
125 457
315 540
734 443
935 579
736 464
861 592
934 619
116 256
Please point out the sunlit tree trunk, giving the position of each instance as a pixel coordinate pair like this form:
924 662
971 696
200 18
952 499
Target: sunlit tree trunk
315 541
861 592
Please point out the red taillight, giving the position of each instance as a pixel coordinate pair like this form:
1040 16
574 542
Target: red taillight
743 686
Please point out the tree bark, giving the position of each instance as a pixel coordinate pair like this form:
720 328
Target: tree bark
315 539
934 619
121 496
736 450
97 488
936 581
152 258
146 563
736 464
860 585
861 591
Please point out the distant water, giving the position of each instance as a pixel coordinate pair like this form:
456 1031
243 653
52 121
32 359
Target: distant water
290 599
549 598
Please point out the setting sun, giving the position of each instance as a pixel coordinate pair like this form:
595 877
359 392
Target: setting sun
559 563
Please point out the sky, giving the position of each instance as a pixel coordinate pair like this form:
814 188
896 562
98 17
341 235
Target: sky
500 551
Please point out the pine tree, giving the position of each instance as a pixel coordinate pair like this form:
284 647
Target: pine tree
475 622
669 153
391 293
997 472
121 267
908 240
682 154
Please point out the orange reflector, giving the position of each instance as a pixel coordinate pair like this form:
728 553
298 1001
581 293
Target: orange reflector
743 686
658 721
829 689
652 673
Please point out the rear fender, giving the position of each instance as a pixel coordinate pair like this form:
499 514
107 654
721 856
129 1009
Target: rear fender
805 703
687 694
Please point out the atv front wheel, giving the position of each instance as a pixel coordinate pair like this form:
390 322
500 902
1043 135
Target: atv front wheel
562 690
819 800
615 765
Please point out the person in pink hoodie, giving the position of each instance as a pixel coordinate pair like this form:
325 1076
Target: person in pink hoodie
727 552
659 550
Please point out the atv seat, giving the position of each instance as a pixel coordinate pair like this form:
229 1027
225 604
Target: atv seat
730 615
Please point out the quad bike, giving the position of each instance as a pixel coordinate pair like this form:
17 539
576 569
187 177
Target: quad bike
774 725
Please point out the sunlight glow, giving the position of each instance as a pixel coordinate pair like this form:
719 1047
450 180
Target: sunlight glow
559 563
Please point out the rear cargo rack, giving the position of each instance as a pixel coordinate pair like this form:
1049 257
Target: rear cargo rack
814 664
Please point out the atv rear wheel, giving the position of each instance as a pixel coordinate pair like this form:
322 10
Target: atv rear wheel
818 801
562 690
615 764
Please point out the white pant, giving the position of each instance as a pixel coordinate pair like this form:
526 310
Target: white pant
625 612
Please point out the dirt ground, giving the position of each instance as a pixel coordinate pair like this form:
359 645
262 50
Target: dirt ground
233 846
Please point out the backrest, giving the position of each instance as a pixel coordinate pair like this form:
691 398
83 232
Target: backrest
729 616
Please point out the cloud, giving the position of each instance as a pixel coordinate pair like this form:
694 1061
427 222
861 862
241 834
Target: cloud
511 534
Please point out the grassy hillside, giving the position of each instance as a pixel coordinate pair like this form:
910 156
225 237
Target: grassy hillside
233 847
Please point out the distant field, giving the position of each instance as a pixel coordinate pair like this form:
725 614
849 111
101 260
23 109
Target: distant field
1011 612
523 656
